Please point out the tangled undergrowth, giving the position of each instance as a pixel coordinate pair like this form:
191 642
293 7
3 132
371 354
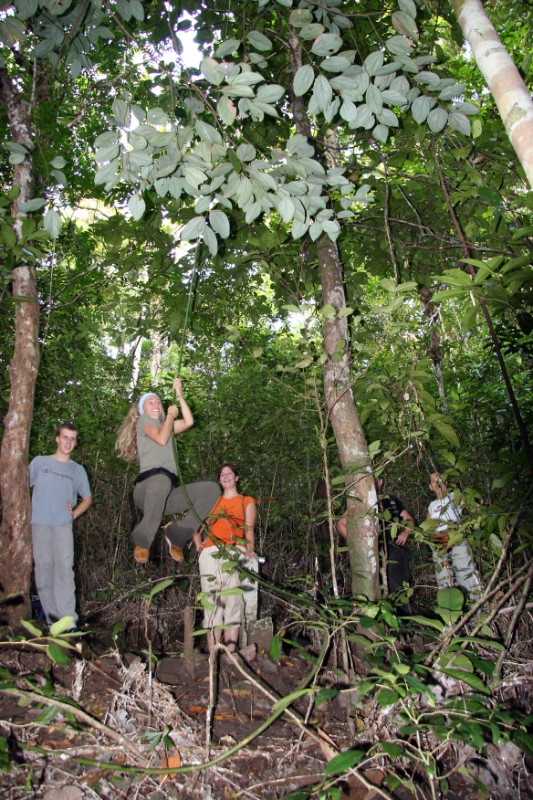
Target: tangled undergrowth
374 704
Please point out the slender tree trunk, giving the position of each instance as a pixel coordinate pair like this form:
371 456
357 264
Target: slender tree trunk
503 78
434 351
15 535
353 450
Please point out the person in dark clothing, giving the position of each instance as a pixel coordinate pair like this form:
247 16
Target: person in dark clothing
393 516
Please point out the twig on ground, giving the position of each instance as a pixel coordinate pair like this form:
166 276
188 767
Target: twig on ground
514 622
80 715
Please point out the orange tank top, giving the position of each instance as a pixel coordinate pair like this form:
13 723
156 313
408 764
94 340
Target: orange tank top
227 519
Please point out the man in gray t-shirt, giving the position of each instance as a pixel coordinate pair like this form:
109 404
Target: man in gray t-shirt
57 482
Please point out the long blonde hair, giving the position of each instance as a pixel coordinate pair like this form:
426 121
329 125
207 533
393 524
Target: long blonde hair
126 444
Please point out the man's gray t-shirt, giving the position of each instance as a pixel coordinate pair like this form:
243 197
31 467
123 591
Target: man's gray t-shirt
54 483
151 454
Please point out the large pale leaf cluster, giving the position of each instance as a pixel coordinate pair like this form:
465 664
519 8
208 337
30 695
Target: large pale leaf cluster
195 161
202 163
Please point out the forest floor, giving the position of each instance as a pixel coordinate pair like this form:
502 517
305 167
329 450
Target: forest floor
126 721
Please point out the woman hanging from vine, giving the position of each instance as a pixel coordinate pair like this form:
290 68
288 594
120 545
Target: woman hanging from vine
146 436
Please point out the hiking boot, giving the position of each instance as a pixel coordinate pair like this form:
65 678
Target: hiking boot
175 551
141 555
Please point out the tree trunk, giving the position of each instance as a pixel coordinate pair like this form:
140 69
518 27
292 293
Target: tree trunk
434 351
15 535
353 450
503 78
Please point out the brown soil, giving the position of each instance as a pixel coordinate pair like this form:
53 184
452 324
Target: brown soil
51 757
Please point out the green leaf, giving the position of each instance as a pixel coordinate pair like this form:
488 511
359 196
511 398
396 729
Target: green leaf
326 44
373 99
451 599
408 6
31 628
335 64
107 172
447 431
137 11
437 119
322 92
398 46
48 715
32 205
15 147
300 17
459 122
325 694
275 647
209 68
299 228
286 209
405 24
374 62
343 762
52 223
452 91
220 223
420 109
44 48
160 587
430 623
524 741
227 48
246 152
57 655
286 701
270 93
61 625
226 110
327 311
348 111
259 41
121 111
210 239
136 206
192 229
358 638
26 8
207 605
393 750
58 162
60 177
471 680
381 133
490 195
387 697
418 685
477 640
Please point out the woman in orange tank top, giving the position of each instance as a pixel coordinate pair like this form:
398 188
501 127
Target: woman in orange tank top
232 522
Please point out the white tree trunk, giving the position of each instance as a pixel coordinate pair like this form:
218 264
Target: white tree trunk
502 76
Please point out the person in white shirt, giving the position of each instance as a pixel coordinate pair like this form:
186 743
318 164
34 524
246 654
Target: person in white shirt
454 566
